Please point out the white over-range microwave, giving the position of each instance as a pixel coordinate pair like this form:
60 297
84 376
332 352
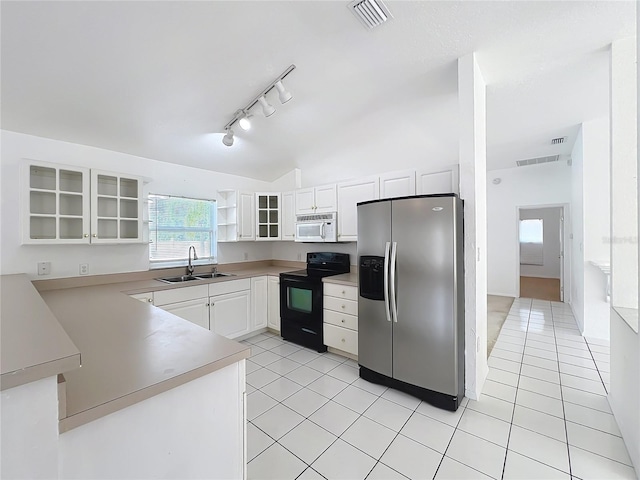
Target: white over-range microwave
317 227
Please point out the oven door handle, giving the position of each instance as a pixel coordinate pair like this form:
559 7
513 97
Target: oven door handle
284 281
322 230
386 281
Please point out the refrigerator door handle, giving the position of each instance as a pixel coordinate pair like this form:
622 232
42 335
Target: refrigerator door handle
394 306
386 281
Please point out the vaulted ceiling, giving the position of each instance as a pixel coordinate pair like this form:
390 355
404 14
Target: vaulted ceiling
160 79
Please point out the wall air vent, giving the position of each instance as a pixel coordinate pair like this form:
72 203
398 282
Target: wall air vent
371 13
537 160
558 141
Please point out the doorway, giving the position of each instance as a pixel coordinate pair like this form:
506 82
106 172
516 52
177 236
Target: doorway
541 237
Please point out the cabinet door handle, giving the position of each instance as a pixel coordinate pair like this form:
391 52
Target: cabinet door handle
342 320
343 292
149 300
342 306
343 340
86 235
95 235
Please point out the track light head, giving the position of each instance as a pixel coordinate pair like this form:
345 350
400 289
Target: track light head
283 94
267 108
228 138
243 120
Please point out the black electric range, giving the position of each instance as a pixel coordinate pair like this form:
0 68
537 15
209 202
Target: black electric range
301 298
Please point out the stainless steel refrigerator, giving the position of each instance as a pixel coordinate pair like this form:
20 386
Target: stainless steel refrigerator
411 296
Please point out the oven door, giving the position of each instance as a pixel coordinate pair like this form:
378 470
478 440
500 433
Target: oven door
310 232
301 312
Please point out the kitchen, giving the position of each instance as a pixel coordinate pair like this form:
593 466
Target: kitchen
191 179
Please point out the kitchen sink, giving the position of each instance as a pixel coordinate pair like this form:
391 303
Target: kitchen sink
215 275
180 279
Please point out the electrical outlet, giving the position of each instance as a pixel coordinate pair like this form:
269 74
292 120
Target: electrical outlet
44 268
246 256
84 269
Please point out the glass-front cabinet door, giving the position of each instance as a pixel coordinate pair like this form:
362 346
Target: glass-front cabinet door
268 216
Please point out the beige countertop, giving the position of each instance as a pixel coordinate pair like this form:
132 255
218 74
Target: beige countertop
343 279
33 344
131 350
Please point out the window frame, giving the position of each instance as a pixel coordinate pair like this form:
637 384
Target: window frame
211 259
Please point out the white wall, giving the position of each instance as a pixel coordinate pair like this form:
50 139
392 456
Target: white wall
577 230
535 185
166 178
473 190
590 226
624 396
29 430
296 251
550 267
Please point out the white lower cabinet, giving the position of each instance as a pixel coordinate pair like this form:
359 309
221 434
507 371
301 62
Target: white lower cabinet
231 308
190 303
196 311
273 294
340 328
229 314
259 302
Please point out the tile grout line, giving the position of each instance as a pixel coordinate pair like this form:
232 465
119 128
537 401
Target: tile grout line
564 413
513 412
597 368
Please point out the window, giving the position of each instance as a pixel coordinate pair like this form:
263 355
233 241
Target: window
531 242
176 223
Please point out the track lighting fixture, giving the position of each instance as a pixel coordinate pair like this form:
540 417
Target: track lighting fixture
267 108
243 120
228 138
284 95
242 116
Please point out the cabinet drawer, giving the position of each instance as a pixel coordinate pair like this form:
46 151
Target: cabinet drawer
341 338
341 305
341 319
229 286
164 297
341 291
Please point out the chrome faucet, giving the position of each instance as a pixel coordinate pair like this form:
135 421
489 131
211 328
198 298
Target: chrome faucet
195 257
214 269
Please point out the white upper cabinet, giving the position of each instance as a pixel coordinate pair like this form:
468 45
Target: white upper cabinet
288 216
63 204
398 184
444 180
246 216
349 195
116 208
55 204
316 199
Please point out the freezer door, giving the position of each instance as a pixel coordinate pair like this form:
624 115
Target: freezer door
374 330
425 334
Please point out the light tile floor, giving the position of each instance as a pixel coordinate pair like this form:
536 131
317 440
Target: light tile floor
543 413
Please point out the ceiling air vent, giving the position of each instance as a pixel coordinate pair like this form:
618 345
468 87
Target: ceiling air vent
372 13
535 161
558 141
